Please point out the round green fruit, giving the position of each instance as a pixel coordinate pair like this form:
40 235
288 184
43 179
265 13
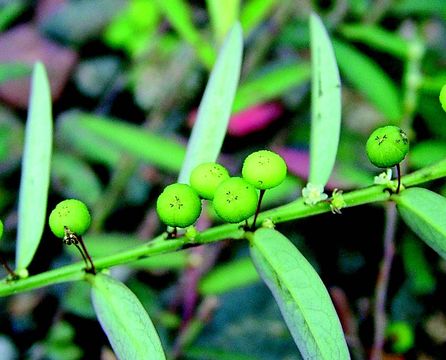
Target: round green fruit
206 177
387 146
178 205
443 97
264 169
235 200
1 229
72 214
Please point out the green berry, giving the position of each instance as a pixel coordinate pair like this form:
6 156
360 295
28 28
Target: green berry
1 229
178 205
443 97
72 214
235 200
206 177
264 169
387 146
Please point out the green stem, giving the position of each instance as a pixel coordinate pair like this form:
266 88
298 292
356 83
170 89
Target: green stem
121 176
259 204
292 211
429 173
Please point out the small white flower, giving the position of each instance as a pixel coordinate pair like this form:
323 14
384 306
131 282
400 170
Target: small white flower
385 178
268 223
313 193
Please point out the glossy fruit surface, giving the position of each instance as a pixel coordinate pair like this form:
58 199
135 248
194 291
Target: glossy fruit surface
206 177
387 146
235 200
178 205
72 214
264 169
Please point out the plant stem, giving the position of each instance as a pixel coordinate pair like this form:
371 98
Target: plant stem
432 172
292 211
8 269
383 282
259 203
398 174
105 205
92 269
83 255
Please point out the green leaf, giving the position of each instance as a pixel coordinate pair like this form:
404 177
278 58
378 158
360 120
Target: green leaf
12 133
9 11
434 117
35 178
134 140
325 104
427 152
418 268
417 7
75 179
361 71
270 85
124 320
179 14
377 38
85 142
254 12
432 84
215 108
301 295
223 14
425 213
12 71
219 281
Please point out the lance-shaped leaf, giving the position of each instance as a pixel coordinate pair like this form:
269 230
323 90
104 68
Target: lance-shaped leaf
74 178
254 12
378 38
325 104
361 71
124 320
215 107
301 296
12 71
36 162
425 213
222 14
147 146
270 84
180 14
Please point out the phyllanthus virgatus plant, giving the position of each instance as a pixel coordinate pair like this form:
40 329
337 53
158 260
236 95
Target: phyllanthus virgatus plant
282 267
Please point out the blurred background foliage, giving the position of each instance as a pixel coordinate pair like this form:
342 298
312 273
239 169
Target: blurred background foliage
126 79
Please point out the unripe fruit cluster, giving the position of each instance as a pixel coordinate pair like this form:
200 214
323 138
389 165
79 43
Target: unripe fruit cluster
387 146
234 199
